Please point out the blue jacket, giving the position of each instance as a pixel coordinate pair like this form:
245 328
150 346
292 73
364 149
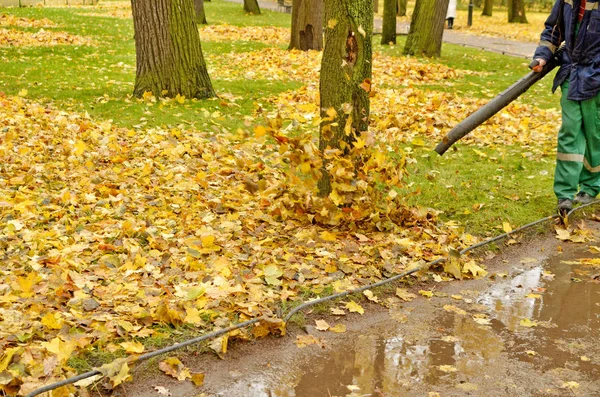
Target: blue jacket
580 62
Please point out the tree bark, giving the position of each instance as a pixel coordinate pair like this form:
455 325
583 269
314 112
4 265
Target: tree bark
251 7
200 15
345 82
402 8
516 11
388 30
168 52
488 5
426 28
307 25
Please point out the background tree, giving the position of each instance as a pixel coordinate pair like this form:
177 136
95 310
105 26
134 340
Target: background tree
200 15
168 52
307 25
375 6
251 7
426 28
346 71
402 8
516 11
488 5
388 30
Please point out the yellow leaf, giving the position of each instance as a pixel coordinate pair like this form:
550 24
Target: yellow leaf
175 368
525 322
132 347
447 368
354 307
369 294
506 227
198 379
454 309
79 148
7 357
305 340
259 131
60 348
570 385
117 371
403 294
338 328
427 294
331 24
322 325
180 99
336 198
327 236
50 321
23 93
533 296
207 240
305 167
474 269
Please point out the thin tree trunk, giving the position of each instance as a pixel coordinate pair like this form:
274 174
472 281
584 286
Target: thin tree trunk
307 25
168 52
251 7
402 8
200 15
388 30
375 6
426 28
516 11
488 5
346 71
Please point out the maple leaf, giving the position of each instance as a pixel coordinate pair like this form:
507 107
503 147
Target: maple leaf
175 368
354 307
117 371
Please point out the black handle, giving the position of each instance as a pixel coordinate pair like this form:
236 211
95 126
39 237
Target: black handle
534 63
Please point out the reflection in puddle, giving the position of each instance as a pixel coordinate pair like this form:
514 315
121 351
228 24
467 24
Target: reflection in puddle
459 354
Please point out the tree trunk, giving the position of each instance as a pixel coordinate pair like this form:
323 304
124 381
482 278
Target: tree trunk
402 8
168 52
251 7
346 71
488 5
375 6
426 28
516 11
388 30
307 25
200 15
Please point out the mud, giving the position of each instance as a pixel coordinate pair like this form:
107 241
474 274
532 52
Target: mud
530 328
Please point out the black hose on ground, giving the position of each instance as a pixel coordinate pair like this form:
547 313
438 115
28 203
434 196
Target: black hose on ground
218 333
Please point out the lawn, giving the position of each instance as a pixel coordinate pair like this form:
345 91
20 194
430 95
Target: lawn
128 223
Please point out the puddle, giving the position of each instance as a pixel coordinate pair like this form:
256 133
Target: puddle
534 332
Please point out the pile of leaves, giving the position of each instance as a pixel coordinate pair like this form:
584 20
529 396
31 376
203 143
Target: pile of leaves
19 38
22 22
304 66
108 233
261 34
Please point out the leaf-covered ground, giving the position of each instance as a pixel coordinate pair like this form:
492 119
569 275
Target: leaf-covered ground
111 233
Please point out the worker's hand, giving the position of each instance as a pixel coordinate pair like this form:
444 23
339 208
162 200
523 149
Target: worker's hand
539 66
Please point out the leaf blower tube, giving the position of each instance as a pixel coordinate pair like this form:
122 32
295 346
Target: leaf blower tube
498 103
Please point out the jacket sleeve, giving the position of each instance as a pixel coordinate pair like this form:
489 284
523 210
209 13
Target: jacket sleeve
553 33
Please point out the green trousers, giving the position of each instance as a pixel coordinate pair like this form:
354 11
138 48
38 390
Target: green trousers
578 152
